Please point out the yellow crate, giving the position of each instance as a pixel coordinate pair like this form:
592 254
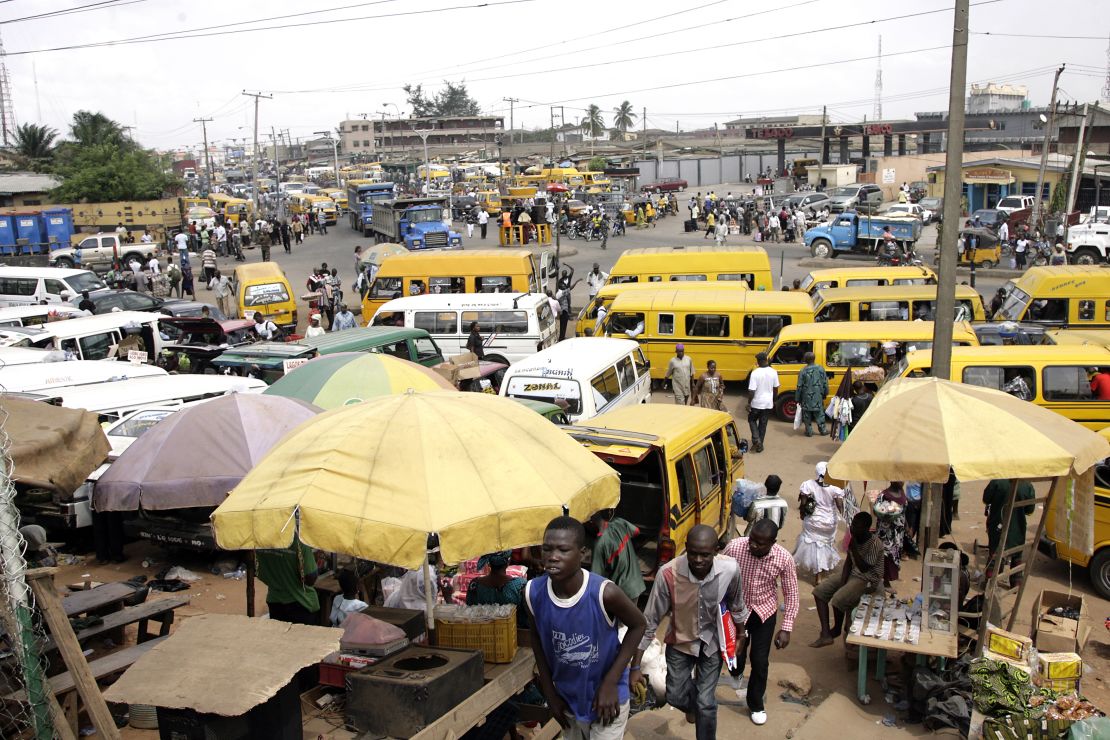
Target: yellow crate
495 638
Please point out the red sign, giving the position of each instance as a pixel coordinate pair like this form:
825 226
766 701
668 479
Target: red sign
878 129
777 132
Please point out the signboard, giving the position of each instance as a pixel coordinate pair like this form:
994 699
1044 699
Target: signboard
878 129
889 176
135 357
288 365
988 176
769 132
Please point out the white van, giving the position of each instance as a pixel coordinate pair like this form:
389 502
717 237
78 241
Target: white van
90 337
513 325
51 375
111 401
26 286
12 356
38 315
591 375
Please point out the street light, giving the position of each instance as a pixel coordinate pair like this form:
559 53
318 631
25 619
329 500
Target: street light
423 134
398 108
334 151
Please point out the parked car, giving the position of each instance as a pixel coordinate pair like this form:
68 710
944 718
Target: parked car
201 340
907 209
934 207
1012 203
807 201
992 218
665 185
182 308
862 198
132 300
918 188
98 252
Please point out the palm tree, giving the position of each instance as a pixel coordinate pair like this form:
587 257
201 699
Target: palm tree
89 129
592 124
35 143
623 117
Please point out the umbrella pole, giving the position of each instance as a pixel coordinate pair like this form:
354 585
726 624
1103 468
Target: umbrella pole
931 505
429 608
990 594
250 584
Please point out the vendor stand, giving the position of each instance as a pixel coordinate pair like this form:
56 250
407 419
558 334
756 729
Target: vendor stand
924 429
413 484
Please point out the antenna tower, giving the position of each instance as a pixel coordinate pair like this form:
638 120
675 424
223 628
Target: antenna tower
7 109
877 114
1106 85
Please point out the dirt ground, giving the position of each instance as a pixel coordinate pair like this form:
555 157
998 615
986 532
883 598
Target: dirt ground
832 705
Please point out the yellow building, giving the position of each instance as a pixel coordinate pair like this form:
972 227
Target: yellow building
988 180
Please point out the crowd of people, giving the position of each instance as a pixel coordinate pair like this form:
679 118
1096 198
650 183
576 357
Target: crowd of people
751 216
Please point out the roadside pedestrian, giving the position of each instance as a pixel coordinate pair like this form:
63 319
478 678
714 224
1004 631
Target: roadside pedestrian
187 287
221 240
344 319
221 286
181 241
614 555
285 241
813 386
314 329
298 230
289 575
1021 248
173 274
483 221
690 592
471 219
680 371
581 663
265 328
820 505
710 223
862 573
761 399
474 341
995 496
709 389
891 530
564 286
595 278
765 568
208 264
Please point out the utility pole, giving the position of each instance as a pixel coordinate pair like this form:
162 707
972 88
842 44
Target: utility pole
1077 161
1044 148
277 170
512 162
953 180
643 132
821 147
207 159
552 154
254 152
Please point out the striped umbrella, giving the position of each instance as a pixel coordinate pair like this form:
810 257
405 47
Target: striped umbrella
347 378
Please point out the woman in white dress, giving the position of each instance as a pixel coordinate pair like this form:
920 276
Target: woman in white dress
820 505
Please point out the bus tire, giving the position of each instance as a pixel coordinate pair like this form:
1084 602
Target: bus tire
786 405
1099 570
821 249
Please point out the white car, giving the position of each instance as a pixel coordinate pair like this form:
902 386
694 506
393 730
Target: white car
907 209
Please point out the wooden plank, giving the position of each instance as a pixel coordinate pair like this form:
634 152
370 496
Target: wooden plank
549 731
42 583
128 615
80 602
1031 554
117 662
470 712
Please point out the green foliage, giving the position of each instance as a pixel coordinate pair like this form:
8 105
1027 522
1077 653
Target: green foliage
35 145
597 164
452 100
100 165
592 124
623 117
1060 194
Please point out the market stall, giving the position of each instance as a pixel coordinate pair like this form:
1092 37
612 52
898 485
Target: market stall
402 479
928 429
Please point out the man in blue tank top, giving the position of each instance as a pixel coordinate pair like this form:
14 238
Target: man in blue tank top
582 665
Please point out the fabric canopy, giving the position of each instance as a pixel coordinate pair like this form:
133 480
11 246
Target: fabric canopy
374 480
918 428
52 447
347 378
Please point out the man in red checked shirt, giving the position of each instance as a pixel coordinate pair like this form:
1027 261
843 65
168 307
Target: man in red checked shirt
764 568
1100 384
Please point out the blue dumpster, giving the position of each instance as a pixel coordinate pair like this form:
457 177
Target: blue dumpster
59 226
7 234
30 236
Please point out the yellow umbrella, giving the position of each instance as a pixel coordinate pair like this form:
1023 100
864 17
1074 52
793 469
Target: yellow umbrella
375 479
918 428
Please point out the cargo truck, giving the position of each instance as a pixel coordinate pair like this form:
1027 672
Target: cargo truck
361 195
415 222
851 232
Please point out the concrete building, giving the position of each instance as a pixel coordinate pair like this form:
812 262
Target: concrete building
357 136
20 189
992 98
446 133
1096 135
987 180
738 125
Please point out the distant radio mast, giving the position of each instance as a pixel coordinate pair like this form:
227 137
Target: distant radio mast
7 109
1106 85
878 112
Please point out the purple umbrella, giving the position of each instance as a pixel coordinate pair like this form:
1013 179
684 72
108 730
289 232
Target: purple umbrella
195 456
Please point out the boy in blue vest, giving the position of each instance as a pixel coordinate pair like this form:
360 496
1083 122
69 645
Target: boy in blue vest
582 665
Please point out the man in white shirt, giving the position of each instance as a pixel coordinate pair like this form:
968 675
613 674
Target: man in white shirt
761 399
221 240
1004 232
182 242
154 266
602 312
595 278
483 221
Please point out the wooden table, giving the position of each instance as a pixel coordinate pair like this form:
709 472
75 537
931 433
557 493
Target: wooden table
935 644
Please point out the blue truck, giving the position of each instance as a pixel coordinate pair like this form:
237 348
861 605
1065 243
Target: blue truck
415 222
360 201
852 232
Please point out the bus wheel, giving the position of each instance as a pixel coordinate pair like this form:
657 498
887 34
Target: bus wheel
786 406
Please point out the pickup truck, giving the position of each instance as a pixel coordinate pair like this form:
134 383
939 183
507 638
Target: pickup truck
851 232
415 222
99 252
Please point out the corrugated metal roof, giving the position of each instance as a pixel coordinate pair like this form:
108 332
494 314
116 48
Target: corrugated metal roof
27 182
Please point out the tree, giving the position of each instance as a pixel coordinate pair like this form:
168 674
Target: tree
453 100
90 129
623 117
35 145
592 124
597 164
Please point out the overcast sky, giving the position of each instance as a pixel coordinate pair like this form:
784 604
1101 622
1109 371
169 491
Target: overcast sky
692 63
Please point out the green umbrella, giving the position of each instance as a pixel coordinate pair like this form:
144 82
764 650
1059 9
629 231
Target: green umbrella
346 378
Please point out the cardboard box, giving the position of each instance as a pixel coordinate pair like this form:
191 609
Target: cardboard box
1059 665
449 372
466 365
1054 634
1021 665
1011 645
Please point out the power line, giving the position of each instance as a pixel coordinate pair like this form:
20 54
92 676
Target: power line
188 35
1036 36
102 5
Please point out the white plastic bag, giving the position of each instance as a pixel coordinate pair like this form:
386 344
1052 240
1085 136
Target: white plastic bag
797 416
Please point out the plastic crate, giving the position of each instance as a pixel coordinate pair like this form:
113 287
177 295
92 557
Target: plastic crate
496 638
332 674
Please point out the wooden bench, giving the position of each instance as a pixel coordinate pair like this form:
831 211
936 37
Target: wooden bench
158 610
109 597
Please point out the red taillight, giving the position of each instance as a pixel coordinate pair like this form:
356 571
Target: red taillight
666 550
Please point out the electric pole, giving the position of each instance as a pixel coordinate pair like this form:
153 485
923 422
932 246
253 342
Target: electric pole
953 181
207 159
512 162
643 132
1044 147
254 157
1077 161
821 147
